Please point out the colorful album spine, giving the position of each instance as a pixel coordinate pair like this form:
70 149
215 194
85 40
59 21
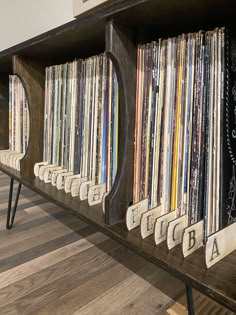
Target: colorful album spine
82 119
10 113
185 127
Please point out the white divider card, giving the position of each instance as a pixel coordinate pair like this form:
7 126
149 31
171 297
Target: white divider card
2 152
10 157
148 220
55 175
134 214
11 161
76 185
5 155
95 194
18 158
37 167
18 164
16 161
84 188
7 159
69 180
2 156
42 170
160 228
193 238
47 176
220 244
103 201
175 231
61 178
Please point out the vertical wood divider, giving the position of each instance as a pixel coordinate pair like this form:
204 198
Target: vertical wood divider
122 51
4 113
32 75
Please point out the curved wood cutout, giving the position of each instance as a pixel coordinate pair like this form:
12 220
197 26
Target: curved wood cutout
122 51
4 114
32 75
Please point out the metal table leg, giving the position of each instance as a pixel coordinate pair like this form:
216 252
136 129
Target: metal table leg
189 297
11 218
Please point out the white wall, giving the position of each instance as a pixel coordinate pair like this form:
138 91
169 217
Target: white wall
24 19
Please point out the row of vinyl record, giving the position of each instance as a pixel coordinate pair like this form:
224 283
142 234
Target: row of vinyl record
80 126
19 125
184 188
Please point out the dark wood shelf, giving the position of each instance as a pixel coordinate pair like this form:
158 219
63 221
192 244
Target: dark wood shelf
218 282
117 26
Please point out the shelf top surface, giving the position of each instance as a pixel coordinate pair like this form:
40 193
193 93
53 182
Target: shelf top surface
218 282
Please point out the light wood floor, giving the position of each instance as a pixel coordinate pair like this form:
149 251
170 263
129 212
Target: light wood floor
53 263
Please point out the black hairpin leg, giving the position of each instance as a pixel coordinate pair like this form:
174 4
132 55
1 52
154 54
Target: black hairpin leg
189 297
11 217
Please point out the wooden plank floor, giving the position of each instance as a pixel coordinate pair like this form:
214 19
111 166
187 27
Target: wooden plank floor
53 263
